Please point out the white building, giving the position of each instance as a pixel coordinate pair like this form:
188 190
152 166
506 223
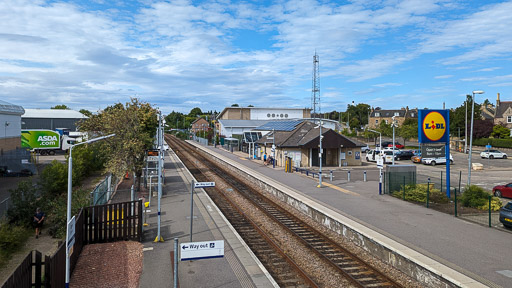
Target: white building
10 126
51 119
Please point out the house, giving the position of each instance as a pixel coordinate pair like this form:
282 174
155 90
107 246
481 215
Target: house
302 145
200 124
378 116
10 126
51 119
503 115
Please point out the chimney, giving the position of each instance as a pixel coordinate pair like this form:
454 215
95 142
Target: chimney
498 102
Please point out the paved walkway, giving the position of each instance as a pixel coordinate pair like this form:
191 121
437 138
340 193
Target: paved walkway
477 251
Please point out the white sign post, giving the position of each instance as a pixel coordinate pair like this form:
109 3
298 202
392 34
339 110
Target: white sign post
201 250
192 187
71 235
380 165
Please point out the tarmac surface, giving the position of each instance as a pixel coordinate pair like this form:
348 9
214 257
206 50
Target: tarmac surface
474 250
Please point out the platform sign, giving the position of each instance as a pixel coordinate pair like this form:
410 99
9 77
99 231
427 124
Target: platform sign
204 184
380 162
71 235
201 250
152 158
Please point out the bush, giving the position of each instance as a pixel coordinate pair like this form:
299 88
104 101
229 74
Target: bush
24 200
418 193
494 142
58 209
476 197
12 238
54 178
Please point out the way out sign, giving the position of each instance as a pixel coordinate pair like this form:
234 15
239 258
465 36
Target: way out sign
201 250
204 184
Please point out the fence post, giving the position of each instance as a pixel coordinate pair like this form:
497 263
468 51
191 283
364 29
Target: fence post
331 175
348 176
455 195
460 176
364 176
441 181
132 196
403 196
176 250
428 189
490 198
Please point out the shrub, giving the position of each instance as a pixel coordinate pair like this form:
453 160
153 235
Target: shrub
54 178
418 193
24 204
58 209
494 142
12 238
477 197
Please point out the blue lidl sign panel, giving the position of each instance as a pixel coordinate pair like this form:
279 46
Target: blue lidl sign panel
433 126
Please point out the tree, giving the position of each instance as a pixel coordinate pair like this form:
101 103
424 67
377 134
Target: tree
234 105
500 131
359 112
386 129
195 111
61 107
458 116
482 128
135 125
86 112
409 129
175 120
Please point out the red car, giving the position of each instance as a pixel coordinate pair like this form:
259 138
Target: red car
503 190
390 144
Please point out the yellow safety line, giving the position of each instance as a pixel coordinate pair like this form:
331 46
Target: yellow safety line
340 189
242 158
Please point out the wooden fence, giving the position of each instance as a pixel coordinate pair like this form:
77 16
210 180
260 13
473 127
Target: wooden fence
94 224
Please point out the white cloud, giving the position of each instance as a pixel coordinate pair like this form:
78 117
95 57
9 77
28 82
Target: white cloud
443 76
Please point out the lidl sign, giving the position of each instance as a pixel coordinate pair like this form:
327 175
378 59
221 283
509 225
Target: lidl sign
433 126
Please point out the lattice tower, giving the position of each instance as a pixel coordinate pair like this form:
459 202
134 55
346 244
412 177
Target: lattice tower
315 92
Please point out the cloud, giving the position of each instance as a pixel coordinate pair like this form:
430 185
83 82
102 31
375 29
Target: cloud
443 76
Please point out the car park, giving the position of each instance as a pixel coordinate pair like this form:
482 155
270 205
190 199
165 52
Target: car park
506 215
404 155
493 153
435 161
503 190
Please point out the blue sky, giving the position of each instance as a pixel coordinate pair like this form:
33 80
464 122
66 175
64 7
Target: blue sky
179 55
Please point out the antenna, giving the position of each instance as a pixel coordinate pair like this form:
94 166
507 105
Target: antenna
315 92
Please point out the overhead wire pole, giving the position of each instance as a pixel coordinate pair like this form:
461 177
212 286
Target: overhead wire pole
315 101
160 154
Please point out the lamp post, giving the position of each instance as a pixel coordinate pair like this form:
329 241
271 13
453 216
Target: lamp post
393 119
466 127
471 135
380 167
380 138
273 150
320 157
70 188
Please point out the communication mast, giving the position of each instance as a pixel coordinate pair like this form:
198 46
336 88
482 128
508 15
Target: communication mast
315 92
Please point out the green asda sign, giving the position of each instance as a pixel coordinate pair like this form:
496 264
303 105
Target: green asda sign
34 139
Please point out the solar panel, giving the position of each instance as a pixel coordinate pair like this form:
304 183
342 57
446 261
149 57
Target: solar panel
280 125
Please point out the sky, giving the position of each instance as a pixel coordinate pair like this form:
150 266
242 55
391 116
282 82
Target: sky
178 55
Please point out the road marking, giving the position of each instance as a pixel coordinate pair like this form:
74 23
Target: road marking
506 273
341 189
147 249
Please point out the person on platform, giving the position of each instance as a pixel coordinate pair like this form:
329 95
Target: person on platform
38 221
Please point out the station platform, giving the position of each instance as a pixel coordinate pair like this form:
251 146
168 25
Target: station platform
469 254
238 268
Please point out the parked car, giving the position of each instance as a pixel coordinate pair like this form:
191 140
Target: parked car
365 149
503 190
491 154
435 161
390 144
372 156
506 215
388 156
416 158
404 155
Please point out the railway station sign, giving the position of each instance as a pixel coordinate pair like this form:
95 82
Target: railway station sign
204 184
433 126
201 250
71 235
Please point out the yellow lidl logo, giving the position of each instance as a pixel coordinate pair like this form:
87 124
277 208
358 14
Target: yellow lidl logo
434 126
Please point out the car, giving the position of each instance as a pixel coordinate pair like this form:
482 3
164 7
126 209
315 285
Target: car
390 144
372 156
435 161
404 155
365 149
492 153
506 215
503 190
416 158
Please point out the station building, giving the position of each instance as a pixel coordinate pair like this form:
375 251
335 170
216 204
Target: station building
10 124
301 144
51 119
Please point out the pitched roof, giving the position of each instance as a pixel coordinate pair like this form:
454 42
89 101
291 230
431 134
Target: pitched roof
198 119
504 105
307 135
8 108
242 123
53 113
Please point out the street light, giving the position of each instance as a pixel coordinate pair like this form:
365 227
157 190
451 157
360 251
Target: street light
70 186
380 138
393 119
471 135
320 157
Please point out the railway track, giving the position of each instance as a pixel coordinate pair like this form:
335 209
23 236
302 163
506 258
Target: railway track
353 269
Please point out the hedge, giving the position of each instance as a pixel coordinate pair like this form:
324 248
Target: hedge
494 142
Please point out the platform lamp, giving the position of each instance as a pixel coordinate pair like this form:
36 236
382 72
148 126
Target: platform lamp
471 133
70 188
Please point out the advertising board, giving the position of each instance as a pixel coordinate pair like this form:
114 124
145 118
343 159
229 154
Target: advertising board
34 139
433 126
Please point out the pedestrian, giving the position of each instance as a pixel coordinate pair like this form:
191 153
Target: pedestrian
264 158
38 221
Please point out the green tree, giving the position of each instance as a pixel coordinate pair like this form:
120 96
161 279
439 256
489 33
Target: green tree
359 112
234 105
386 129
409 129
61 107
54 178
86 112
24 204
195 111
458 116
499 131
175 120
135 125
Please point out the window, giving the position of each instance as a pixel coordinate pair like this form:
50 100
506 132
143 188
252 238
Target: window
285 115
509 119
397 114
376 121
386 121
281 115
412 114
268 115
377 114
273 115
